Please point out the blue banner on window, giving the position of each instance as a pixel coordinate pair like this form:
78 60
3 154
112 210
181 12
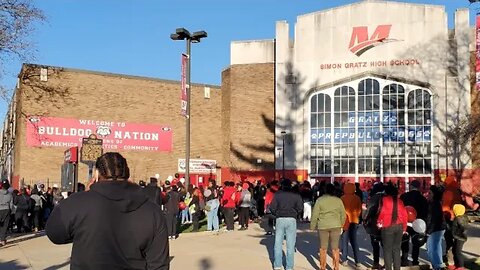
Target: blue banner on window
370 134
419 134
393 134
373 118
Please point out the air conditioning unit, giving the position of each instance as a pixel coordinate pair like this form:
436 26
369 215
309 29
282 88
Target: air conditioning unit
206 91
43 74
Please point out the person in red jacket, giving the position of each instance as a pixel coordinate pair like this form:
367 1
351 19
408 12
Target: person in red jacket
392 221
229 199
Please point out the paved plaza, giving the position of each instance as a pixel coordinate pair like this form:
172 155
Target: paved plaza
238 250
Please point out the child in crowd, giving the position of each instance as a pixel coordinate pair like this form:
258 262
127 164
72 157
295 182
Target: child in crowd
459 232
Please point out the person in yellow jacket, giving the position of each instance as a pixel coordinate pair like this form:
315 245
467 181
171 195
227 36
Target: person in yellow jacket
353 207
328 218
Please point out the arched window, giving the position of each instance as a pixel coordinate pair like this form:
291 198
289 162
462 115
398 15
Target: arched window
321 132
378 129
419 131
393 121
344 131
369 121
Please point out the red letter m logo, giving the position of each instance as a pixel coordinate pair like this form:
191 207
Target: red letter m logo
360 42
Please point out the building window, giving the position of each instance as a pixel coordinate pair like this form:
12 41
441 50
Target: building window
419 132
380 128
393 121
320 122
369 127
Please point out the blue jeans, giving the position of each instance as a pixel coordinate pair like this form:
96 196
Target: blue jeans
212 215
434 249
285 228
186 215
349 236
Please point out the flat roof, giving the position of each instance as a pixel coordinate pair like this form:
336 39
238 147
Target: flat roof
112 74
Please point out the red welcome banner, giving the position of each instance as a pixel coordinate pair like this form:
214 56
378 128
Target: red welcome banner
116 136
477 53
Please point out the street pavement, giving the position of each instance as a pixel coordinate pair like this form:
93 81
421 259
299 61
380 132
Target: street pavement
238 250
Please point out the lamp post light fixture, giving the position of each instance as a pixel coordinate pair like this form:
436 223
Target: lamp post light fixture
283 153
195 37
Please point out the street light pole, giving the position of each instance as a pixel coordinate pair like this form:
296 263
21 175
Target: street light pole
184 34
283 154
187 118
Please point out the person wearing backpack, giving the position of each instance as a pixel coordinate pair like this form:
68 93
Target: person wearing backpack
392 222
245 202
22 204
37 209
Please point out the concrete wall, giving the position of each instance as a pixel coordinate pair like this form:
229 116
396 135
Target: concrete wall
252 52
417 47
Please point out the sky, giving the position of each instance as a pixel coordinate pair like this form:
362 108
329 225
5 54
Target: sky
133 36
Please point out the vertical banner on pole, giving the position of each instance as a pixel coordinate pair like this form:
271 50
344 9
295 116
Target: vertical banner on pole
183 96
477 53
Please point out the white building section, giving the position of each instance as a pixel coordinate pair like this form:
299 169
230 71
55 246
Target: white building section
368 90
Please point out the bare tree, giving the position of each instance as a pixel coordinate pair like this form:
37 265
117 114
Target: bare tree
17 21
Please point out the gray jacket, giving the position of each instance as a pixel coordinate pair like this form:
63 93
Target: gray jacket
6 200
245 198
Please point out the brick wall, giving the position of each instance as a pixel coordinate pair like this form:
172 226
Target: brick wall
248 121
78 94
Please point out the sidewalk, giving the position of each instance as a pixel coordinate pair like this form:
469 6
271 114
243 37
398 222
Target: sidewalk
238 250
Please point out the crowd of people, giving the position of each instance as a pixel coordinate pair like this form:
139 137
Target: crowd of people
27 209
392 222
400 224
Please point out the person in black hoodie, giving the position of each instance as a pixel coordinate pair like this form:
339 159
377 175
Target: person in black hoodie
436 226
370 221
172 210
153 192
415 199
112 225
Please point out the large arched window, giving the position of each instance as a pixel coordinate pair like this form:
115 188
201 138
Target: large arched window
375 127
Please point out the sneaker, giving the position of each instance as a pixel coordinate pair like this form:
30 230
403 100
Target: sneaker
242 228
344 263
